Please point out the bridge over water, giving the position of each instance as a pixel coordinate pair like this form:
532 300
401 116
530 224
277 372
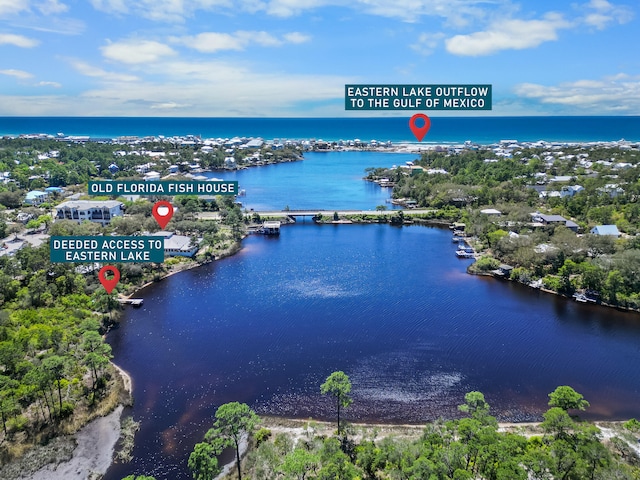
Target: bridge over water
312 213
324 212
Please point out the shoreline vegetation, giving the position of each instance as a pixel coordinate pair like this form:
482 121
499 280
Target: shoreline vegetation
474 446
453 183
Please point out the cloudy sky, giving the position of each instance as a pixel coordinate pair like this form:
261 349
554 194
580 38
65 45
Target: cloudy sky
293 57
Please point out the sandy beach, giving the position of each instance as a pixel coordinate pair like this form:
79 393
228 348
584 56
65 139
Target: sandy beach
85 455
95 444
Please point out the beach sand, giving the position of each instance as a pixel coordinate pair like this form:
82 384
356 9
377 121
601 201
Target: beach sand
93 454
85 455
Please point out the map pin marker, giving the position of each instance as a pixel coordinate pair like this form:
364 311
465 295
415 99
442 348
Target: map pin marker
162 212
420 132
109 285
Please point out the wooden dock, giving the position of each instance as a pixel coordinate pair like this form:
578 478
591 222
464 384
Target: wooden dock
136 302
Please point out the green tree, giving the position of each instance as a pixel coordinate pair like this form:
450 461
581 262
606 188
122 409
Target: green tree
203 462
299 463
56 366
567 398
557 421
233 422
475 405
338 386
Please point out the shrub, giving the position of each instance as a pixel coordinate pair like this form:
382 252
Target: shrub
486 264
67 409
262 435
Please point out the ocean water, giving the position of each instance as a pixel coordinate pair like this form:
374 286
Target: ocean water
482 130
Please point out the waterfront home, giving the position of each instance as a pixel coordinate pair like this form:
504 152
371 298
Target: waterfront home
504 270
606 230
178 245
98 211
271 227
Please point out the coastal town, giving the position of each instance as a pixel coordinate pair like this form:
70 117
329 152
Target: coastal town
559 217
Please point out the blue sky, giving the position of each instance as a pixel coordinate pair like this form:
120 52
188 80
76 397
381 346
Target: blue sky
293 57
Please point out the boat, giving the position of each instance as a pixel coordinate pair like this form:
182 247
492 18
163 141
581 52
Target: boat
580 297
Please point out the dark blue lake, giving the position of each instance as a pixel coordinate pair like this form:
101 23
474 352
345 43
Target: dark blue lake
392 307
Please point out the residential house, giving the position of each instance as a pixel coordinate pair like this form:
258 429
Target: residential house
98 211
36 197
554 220
570 190
491 212
606 230
178 245
612 189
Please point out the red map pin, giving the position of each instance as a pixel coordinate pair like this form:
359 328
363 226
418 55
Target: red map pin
420 132
162 212
109 285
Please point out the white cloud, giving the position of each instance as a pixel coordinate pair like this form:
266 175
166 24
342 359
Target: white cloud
512 34
136 51
427 43
296 37
91 71
51 7
45 7
619 93
210 42
11 7
49 84
177 87
456 12
169 106
163 10
20 74
604 13
17 40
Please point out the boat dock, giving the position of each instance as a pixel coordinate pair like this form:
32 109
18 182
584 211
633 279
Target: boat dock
136 302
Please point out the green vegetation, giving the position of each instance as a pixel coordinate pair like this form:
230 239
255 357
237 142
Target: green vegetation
234 422
55 373
567 398
54 363
34 164
463 182
338 386
473 447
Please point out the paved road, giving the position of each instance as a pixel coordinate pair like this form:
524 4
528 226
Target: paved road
307 213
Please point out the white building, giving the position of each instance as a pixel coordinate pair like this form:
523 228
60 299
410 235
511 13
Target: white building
95 211
178 245
36 197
